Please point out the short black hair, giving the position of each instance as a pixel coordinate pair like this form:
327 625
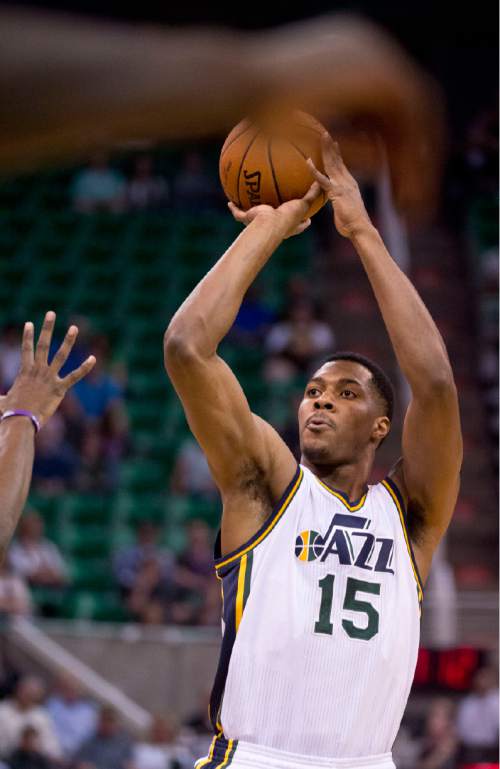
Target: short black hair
380 381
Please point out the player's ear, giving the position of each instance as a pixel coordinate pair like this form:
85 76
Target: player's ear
381 428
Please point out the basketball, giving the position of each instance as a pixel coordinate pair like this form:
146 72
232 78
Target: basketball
268 165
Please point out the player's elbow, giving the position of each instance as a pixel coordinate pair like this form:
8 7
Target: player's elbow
176 347
442 382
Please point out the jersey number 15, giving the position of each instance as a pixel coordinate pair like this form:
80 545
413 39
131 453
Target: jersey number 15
352 603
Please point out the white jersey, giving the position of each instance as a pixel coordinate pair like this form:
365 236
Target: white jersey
321 624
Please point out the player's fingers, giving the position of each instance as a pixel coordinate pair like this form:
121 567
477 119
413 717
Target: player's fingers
45 338
302 226
75 376
322 179
64 350
312 193
239 215
332 159
27 345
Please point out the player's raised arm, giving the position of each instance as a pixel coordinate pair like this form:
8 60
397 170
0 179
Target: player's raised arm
428 476
241 448
33 398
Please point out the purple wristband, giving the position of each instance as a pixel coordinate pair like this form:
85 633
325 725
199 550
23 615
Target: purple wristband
21 413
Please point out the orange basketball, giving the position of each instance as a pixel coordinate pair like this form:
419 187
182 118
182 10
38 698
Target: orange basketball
260 165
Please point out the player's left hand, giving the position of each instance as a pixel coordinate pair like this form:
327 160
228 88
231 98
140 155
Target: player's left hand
290 216
341 188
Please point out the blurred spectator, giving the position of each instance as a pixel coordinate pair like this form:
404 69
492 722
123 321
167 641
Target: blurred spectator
109 748
441 593
29 755
101 451
98 187
56 462
14 594
193 188
252 320
477 719
191 474
73 715
146 190
199 720
297 341
198 595
24 710
161 750
34 557
152 595
128 562
438 749
10 355
405 749
100 393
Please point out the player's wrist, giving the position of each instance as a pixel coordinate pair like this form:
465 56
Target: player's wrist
362 228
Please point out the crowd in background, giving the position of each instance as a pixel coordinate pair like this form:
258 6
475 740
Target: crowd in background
101 187
61 727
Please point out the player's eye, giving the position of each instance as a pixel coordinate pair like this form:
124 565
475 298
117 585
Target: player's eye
313 392
348 393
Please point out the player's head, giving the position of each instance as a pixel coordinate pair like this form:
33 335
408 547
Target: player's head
346 410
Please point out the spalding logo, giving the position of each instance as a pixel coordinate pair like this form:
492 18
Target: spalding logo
252 183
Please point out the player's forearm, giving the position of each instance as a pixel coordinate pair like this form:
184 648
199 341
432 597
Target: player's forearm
417 343
17 450
208 313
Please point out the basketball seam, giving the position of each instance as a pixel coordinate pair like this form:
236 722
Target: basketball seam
235 139
269 157
310 128
241 166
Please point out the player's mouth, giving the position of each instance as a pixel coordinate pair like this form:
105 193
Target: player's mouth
316 423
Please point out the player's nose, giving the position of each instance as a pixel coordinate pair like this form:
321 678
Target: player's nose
324 402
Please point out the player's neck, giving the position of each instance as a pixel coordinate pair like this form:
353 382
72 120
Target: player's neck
350 479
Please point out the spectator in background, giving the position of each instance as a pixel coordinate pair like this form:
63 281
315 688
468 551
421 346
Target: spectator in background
161 749
100 393
128 562
151 598
98 187
109 748
193 188
73 715
439 746
198 598
29 755
477 719
10 355
146 190
15 597
56 462
252 321
34 557
24 710
297 341
191 474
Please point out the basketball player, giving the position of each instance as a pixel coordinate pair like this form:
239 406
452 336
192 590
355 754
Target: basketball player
33 398
322 575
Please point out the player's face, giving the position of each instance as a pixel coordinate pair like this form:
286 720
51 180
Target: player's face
339 414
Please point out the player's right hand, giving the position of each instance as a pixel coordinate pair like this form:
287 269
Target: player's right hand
38 387
290 216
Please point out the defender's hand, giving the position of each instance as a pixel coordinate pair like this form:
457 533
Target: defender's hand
292 215
37 387
341 188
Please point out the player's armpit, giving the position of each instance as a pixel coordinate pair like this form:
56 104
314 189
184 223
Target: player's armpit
233 439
